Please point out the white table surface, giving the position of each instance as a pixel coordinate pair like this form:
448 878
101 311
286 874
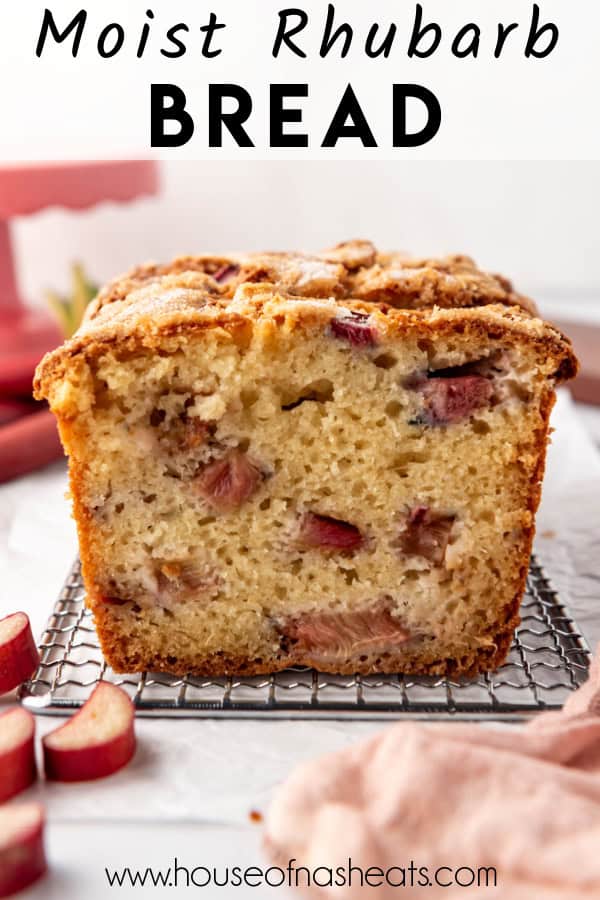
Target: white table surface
191 787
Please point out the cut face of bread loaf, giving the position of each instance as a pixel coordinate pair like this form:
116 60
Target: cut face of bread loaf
267 481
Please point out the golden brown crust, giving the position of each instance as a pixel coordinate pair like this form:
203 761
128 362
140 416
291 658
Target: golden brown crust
350 269
452 281
123 290
352 255
300 274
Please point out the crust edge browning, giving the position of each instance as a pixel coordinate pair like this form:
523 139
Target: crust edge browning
122 660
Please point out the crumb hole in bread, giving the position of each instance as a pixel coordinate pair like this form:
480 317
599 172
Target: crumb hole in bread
402 462
358 488
157 417
393 408
493 568
320 391
103 399
385 361
517 390
412 575
207 520
409 456
350 575
248 396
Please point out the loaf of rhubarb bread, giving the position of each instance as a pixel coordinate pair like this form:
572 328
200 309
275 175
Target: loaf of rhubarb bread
267 480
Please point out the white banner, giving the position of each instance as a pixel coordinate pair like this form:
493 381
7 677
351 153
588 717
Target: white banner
445 79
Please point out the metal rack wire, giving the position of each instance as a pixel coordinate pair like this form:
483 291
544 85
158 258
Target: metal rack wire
548 660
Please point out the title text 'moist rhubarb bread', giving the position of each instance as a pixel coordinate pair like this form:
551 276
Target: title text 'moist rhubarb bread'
265 479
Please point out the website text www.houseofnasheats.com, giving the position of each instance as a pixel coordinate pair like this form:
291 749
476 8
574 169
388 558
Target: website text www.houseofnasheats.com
412 875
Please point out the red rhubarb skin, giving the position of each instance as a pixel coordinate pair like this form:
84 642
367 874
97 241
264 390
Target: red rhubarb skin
21 867
327 533
451 400
355 329
89 763
92 762
12 410
28 444
19 658
17 766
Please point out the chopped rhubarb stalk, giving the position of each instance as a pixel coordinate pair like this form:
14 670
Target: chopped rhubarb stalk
98 741
22 856
180 579
11 410
19 656
451 400
341 636
17 752
326 533
28 443
355 329
426 534
228 482
185 574
226 273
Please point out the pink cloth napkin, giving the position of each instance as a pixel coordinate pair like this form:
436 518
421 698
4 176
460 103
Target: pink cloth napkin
525 801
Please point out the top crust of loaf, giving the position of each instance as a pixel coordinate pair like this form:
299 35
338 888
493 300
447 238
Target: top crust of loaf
351 269
161 316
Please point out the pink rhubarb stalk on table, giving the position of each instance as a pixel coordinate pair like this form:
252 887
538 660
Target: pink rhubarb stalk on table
17 752
22 855
26 334
19 655
97 741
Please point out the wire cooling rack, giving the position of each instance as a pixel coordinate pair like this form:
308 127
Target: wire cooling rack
547 661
